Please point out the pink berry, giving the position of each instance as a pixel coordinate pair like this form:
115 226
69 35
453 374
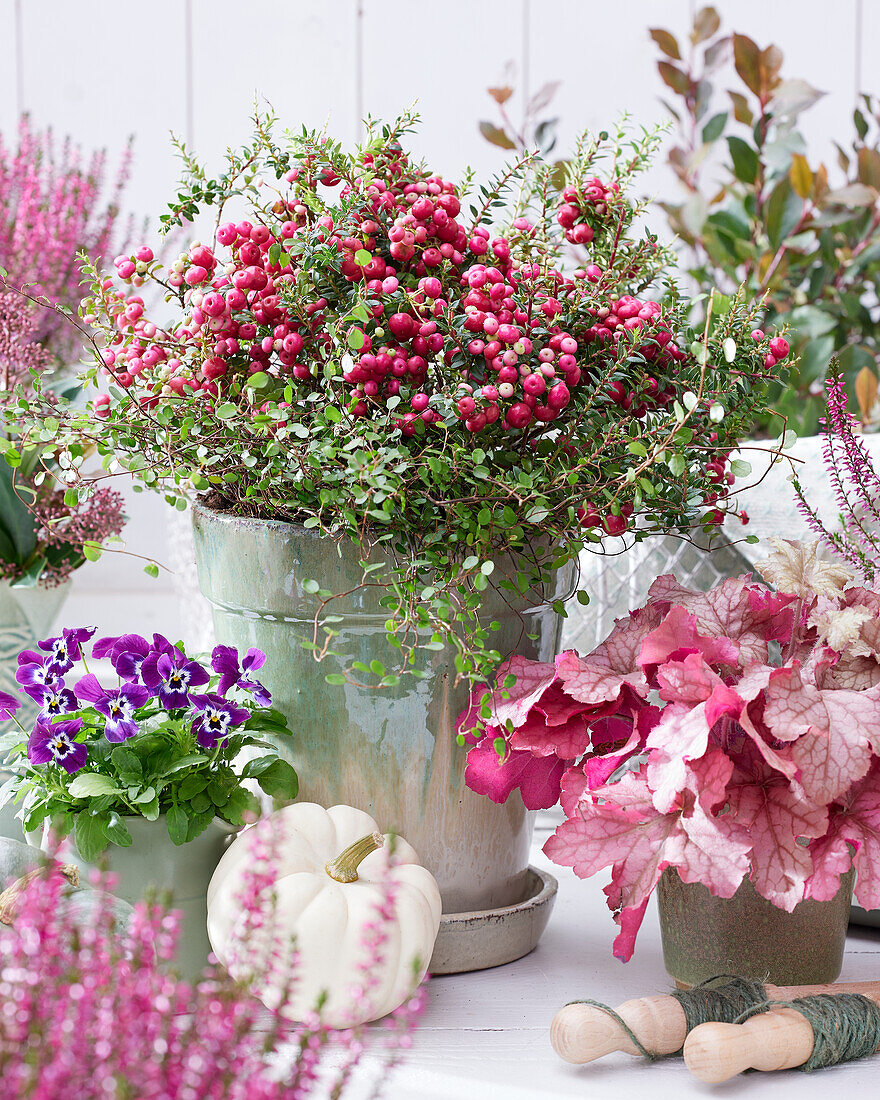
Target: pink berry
779 347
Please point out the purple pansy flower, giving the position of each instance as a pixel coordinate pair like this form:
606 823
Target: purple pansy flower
172 676
56 744
34 670
8 706
65 649
117 705
54 698
224 660
129 651
216 717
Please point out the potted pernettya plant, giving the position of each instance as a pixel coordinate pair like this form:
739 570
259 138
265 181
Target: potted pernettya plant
721 746
407 411
148 774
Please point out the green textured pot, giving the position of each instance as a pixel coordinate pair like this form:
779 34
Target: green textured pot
704 936
391 753
154 862
26 616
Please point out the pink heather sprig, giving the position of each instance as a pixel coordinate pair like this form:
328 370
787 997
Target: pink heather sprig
91 1010
53 206
856 488
20 350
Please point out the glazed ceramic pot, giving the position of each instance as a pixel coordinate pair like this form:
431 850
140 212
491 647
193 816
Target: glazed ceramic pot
704 936
154 863
26 616
393 752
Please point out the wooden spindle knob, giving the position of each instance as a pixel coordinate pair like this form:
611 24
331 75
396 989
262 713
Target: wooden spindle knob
778 1039
582 1033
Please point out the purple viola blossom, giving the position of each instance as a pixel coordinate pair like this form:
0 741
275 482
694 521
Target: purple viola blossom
8 706
216 717
117 705
33 670
224 660
127 653
56 744
66 649
172 676
54 698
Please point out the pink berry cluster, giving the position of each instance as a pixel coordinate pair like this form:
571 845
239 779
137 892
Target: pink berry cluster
365 295
518 335
585 209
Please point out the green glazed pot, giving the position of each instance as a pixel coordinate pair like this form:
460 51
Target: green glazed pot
392 752
26 616
704 936
153 862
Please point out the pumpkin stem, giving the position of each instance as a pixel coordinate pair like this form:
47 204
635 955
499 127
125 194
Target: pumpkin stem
9 897
345 867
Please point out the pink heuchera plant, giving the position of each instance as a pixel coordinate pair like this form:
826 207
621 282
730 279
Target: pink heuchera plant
725 734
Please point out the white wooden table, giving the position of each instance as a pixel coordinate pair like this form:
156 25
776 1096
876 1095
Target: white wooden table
485 1036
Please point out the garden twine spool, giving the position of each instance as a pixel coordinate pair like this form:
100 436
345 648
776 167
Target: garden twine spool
707 1002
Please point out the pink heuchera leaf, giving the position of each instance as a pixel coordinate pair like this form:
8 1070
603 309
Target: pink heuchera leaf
856 820
599 677
831 858
532 680
619 825
568 741
776 816
748 613
537 777
679 635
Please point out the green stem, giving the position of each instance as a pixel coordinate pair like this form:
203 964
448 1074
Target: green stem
345 867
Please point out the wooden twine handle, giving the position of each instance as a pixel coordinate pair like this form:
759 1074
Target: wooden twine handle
582 1033
9 898
780 1038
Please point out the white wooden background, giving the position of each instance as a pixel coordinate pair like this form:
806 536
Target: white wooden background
103 69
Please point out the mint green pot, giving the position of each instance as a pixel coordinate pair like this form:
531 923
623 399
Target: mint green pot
154 863
26 616
393 752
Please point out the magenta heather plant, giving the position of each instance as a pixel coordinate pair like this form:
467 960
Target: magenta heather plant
52 207
726 734
93 1010
856 488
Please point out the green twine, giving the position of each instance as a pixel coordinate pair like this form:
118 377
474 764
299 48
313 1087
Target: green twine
727 1003
845 1026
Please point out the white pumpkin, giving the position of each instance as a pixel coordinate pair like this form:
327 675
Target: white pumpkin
325 920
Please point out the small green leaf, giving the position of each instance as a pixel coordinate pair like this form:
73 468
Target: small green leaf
362 257
92 785
151 569
89 835
225 411
177 821
335 678
279 780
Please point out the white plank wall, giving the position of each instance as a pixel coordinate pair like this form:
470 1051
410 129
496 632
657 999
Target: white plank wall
103 69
